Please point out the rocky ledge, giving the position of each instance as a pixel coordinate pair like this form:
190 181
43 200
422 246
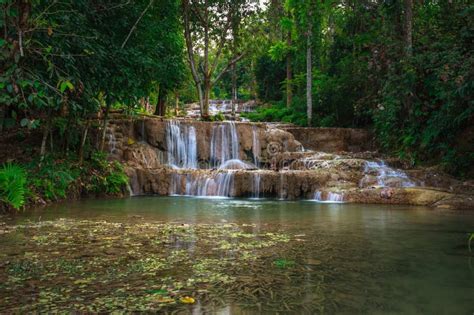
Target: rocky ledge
228 159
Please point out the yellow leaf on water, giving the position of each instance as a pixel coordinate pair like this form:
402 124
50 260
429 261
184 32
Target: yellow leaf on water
163 299
82 281
187 300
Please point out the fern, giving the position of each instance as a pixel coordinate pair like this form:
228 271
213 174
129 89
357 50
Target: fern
12 185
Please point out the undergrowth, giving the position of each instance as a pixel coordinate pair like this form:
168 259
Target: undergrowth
54 178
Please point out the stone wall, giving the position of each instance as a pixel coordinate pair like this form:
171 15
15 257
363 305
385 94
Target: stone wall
333 139
129 135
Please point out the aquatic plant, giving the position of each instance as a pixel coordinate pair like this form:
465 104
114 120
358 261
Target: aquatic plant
283 263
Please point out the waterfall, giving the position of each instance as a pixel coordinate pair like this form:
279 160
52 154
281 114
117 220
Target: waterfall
255 146
112 142
181 145
143 132
335 197
318 196
256 185
283 192
384 174
224 144
204 185
331 197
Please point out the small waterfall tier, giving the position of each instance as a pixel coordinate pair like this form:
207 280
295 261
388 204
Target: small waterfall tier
217 178
257 160
181 145
224 144
329 197
380 174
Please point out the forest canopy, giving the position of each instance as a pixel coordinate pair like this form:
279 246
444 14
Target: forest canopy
401 68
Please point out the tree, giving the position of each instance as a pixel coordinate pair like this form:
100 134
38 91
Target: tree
75 56
208 28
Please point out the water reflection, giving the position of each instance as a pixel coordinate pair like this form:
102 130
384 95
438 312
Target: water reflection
345 258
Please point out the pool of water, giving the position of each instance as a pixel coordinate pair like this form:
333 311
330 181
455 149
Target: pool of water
239 256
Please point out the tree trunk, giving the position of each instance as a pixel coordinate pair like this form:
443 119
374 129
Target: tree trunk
409 27
51 143
189 49
160 109
176 105
234 89
83 142
104 125
207 74
2 117
409 51
207 91
201 96
45 135
289 74
44 141
309 74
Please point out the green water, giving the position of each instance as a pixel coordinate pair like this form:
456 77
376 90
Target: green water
299 257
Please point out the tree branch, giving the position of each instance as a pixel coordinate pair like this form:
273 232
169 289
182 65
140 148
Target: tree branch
233 61
189 42
136 23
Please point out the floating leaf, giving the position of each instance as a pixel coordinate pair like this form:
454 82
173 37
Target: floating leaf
187 300
160 292
163 299
283 263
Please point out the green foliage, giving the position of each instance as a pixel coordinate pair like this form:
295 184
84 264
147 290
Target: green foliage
106 177
283 263
217 117
426 106
278 112
52 177
419 103
58 177
75 56
13 185
269 75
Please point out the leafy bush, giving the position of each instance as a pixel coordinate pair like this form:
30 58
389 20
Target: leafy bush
13 185
52 179
106 177
278 112
217 117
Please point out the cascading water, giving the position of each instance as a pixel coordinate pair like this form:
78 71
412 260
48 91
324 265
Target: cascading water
112 142
255 146
283 184
331 197
385 175
181 145
318 196
203 185
256 185
224 144
224 156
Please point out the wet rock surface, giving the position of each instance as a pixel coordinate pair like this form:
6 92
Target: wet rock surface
240 159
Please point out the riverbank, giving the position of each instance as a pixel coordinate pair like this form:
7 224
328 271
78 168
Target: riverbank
40 182
155 156
261 160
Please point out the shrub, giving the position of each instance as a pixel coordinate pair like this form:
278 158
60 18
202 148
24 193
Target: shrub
106 177
13 185
54 177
